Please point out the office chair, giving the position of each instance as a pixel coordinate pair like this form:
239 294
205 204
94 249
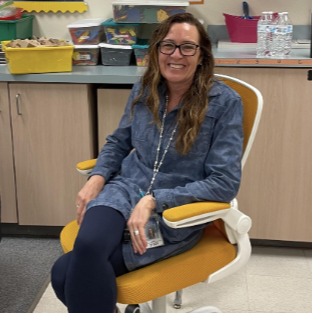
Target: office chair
213 258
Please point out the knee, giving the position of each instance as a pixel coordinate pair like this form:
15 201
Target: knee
89 246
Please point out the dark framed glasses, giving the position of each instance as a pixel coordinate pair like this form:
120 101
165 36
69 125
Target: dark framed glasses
185 49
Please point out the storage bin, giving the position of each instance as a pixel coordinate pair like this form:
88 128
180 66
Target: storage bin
120 34
17 29
241 30
119 55
38 60
141 52
87 31
146 12
86 55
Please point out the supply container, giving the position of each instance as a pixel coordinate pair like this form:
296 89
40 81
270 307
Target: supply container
86 55
141 52
120 34
17 29
87 31
39 59
119 55
242 30
146 11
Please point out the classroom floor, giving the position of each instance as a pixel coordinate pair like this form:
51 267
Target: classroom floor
275 280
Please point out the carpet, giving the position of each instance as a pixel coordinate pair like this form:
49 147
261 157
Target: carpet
25 265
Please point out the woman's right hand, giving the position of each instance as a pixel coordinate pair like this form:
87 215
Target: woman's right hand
90 191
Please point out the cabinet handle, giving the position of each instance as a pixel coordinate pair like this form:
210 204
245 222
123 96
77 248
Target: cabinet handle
18 104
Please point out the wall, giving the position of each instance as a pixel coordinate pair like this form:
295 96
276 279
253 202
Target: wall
54 24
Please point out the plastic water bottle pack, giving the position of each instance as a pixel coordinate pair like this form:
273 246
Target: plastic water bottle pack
274 35
264 34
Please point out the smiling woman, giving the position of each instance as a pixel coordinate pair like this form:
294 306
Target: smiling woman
54 6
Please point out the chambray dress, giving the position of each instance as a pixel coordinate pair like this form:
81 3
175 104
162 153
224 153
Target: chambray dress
210 172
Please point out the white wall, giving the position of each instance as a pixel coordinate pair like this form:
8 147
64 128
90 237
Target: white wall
54 24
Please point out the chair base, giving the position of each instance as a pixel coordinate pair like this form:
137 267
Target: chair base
159 306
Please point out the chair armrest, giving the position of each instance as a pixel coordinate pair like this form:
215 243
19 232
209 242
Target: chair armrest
85 168
194 213
203 212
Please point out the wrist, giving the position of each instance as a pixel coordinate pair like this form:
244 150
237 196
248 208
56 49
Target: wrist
97 180
151 201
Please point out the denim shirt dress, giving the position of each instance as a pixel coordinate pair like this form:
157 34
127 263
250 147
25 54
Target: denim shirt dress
210 172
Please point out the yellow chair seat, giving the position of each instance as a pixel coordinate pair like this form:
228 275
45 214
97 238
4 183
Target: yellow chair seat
209 255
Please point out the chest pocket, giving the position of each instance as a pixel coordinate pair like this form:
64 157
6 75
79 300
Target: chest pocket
203 140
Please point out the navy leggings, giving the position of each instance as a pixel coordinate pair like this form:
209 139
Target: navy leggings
84 279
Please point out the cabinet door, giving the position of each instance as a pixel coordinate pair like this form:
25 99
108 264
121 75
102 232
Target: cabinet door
7 183
52 132
276 189
111 106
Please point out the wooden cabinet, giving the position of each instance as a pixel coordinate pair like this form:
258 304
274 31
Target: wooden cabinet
52 130
276 185
7 178
276 189
111 106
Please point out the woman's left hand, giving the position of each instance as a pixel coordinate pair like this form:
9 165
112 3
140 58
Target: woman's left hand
138 221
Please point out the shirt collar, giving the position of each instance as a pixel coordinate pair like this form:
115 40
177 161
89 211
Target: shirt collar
215 89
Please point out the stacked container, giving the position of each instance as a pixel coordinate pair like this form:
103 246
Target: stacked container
129 17
86 35
141 52
119 55
146 11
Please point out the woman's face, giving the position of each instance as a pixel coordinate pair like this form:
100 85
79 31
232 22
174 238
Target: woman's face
177 68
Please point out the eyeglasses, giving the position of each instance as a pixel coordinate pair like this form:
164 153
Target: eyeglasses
185 49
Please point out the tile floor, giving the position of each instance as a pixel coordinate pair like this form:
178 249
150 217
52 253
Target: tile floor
276 280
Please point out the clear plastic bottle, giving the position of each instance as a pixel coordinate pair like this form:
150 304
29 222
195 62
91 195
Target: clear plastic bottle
269 34
262 48
288 36
279 31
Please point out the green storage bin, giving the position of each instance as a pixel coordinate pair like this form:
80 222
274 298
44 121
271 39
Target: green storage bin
18 29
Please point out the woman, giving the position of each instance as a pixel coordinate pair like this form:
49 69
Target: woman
186 129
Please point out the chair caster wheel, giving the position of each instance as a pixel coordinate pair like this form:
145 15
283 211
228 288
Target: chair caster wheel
133 308
177 306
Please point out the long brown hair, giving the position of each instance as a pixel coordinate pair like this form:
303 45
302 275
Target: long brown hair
195 100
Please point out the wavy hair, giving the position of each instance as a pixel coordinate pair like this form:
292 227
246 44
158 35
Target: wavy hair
195 100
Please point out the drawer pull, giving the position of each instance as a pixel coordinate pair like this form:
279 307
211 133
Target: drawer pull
18 104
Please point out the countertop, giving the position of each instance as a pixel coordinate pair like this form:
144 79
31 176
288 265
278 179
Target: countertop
130 74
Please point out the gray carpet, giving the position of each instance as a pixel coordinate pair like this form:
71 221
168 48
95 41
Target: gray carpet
25 265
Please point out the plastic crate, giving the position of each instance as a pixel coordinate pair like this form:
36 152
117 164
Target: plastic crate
146 12
141 52
120 34
38 60
86 55
87 31
115 54
17 29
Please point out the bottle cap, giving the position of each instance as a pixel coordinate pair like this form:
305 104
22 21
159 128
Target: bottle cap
271 12
285 13
265 12
280 13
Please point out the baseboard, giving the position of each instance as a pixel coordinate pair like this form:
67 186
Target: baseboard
9 229
281 243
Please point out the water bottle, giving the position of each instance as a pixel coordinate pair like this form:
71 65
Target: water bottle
264 34
288 36
279 31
